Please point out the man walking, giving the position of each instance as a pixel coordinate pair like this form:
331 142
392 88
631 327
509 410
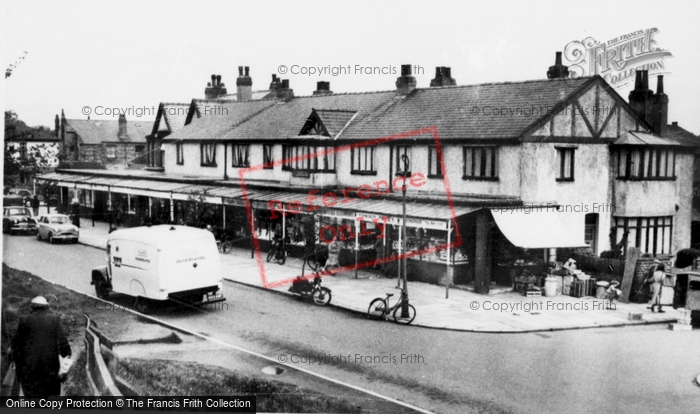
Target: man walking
35 349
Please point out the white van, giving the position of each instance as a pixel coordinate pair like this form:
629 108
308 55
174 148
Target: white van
164 262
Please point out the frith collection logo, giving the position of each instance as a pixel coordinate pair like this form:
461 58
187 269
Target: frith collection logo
617 59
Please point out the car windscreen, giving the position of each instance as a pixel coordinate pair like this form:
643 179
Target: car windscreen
58 220
18 212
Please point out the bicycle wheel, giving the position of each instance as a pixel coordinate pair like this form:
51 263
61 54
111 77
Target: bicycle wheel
377 309
226 247
404 321
322 297
312 262
282 257
271 254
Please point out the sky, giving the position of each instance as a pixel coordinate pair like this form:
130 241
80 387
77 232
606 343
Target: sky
136 54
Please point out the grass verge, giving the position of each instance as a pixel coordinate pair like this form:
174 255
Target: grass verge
164 378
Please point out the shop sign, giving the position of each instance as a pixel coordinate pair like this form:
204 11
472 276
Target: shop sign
413 222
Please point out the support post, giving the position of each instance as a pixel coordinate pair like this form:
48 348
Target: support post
447 271
357 244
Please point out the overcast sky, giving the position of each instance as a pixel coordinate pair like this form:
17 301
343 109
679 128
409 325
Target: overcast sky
139 53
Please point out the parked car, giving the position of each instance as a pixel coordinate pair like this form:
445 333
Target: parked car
54 227
18 219
12 200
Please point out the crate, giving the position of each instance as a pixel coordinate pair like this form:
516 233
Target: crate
578 289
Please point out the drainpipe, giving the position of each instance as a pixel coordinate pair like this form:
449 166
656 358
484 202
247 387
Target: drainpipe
225 161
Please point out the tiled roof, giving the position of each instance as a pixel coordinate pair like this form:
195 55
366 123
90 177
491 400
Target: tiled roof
470 111
286 119
174 115
98 131
219 118
334 120
643 138
681 136
257 95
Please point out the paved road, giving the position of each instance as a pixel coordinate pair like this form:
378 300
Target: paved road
623 370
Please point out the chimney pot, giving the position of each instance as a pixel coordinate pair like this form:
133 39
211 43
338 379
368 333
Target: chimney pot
438 71
405 83
674 123
244 85
247 70
218 80
213 80
447 72
558 70
285 84
240 71
323 88
406 70
660 84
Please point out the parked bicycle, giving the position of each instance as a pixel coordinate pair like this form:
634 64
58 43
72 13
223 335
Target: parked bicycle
379 309
278 252
317 259
224 244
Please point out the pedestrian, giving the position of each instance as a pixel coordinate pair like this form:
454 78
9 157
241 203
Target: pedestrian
613 292
35 205
36 348
333 253
656 282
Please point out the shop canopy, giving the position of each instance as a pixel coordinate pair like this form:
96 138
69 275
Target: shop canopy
535 228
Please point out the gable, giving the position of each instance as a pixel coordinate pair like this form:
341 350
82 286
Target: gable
596 113
314 126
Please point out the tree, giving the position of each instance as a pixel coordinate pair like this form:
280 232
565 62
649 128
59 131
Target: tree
37 157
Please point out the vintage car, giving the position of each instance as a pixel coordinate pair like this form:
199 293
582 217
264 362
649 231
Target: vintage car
18 220
24 193
54 227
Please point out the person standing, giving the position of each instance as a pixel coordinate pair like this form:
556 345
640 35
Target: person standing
36 348
656 282
35 205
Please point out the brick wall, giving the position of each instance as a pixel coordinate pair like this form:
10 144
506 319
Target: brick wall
640 291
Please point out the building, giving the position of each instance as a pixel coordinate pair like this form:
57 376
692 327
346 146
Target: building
103 144
501 174
36 150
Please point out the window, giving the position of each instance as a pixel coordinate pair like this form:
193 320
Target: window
480 163
363 161
650 234
301 158
139 148
239 156
566 164
434 167
268 156
400 150
646 164
111 151
180 154
208 154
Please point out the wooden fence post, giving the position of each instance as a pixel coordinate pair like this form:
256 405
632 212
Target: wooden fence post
628 277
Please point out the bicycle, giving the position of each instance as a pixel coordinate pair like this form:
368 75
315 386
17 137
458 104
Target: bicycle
379 309
278 252
317 259
224 244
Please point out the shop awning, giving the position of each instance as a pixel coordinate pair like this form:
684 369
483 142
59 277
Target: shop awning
532 229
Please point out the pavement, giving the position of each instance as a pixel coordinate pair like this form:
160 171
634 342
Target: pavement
459 310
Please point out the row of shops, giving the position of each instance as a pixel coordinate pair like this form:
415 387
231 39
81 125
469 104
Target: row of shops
463 245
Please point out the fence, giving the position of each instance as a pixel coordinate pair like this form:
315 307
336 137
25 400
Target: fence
102 364
613 269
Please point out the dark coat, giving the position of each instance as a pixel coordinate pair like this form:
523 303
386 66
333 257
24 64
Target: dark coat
36 347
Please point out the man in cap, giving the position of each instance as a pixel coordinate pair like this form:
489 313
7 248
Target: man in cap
36 348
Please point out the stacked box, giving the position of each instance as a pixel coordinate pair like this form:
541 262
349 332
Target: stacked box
560 283
591 287
566 286
578 289
684 316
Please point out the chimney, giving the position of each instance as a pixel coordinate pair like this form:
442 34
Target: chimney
558 70
122 127
443 77
58 126
275 82
405 83
641 97
244 85
659 112
323 88
283 92
215 88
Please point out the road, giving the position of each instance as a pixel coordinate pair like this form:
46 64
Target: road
621 370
